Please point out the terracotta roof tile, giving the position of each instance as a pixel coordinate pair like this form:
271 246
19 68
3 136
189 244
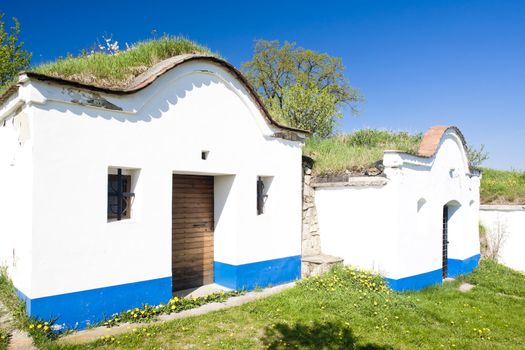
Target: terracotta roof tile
432 139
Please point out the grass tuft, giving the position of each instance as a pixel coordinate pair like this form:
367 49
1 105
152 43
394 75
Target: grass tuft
13 304
40 330
149 313
120 69
502 187
4 339
357 151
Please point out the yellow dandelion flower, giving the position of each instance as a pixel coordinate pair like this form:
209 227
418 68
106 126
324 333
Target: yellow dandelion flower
39 326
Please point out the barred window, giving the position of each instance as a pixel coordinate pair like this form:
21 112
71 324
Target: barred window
120 197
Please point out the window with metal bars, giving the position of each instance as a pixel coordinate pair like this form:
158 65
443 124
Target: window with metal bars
120 196
263 187
260 196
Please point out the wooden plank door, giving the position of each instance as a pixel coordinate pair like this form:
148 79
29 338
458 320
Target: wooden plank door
192 231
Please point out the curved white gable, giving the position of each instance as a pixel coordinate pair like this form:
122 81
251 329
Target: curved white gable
213 84
451 153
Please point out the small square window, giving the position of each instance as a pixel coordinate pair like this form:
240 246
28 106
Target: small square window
120 197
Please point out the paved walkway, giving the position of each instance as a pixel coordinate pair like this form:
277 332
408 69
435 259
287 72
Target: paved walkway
19 340
93 334
202 291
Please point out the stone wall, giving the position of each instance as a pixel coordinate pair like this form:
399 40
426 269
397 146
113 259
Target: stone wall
311 240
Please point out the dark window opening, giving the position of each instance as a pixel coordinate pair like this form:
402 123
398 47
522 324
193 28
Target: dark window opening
204 155
261 197
119 196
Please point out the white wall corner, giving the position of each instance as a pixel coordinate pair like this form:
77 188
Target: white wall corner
30 94
392 159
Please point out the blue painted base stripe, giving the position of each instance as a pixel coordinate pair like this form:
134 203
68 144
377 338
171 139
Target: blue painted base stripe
259 274
458 267
416 282
80 309
25 299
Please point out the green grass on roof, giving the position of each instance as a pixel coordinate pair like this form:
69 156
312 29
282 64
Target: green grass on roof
357 151
119 69
502 187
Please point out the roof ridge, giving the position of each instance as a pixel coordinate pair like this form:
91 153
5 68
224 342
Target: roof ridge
432 138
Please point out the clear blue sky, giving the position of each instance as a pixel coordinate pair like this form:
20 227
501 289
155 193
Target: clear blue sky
418 63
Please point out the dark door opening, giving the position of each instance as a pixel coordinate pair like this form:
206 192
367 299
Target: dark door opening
192 231
445 242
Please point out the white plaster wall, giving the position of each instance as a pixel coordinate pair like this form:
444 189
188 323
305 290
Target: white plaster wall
381 228
16 183
194 107
359 224
510 222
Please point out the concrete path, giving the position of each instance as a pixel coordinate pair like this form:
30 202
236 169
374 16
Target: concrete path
93 334
19 340
202 291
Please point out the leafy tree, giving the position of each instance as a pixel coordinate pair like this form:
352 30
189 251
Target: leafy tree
476 156
301 88
13 57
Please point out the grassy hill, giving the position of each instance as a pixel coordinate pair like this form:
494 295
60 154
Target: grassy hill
502 187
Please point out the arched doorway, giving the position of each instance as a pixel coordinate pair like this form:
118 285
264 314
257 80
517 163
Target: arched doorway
449 223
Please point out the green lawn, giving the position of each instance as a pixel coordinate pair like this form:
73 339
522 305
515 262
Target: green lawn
348 310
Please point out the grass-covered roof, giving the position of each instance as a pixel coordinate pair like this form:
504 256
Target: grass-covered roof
358 151
119 69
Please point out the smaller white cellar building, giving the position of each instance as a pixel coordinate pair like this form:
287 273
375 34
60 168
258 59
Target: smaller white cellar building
416 223
113 198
